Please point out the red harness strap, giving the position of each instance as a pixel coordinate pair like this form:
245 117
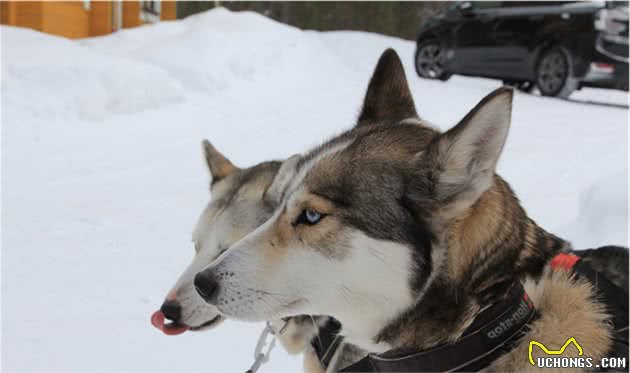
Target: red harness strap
564 261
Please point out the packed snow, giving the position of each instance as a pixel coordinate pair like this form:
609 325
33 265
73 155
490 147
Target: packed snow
103 177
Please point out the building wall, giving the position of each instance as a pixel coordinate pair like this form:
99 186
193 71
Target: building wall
22 13
71 19
169 11
8 13
66 18
101 14
131 14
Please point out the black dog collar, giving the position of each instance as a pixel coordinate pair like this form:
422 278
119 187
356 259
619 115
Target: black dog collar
493 333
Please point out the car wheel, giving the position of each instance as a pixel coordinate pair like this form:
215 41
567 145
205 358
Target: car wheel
554 73
430 60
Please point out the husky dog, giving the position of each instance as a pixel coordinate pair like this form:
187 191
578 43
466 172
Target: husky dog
236 208
406 236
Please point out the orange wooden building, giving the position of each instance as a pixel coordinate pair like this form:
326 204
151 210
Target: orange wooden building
80 19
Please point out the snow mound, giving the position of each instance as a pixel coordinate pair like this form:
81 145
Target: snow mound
200 51
48 76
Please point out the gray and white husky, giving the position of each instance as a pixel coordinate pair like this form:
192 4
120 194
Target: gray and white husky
403 234
236 208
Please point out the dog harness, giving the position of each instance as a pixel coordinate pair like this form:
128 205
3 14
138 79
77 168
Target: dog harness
610 295
493 333
326 342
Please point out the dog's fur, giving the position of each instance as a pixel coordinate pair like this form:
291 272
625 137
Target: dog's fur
418 235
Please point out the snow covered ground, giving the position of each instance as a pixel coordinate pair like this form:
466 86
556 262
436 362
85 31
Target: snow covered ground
102 175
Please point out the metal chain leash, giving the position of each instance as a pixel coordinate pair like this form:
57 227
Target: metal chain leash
261 357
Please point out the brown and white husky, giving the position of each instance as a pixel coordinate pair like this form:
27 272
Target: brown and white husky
405 235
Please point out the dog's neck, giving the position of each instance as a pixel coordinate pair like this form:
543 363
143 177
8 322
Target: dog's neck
476 258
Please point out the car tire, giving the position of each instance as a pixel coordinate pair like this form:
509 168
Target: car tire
554 73
429 60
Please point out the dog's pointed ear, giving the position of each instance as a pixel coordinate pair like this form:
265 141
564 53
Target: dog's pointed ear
218 165
463 160
388 96
273 195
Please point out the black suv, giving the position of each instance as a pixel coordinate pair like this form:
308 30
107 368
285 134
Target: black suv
558 46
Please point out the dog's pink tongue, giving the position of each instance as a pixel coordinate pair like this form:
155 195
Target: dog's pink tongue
157 319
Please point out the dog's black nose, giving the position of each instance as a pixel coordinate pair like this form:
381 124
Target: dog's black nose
172 310
207 286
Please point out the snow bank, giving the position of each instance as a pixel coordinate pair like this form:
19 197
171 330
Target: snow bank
103 177
49 76
202 54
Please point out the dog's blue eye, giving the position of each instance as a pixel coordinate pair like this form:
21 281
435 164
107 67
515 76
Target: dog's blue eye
309 217
312 217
